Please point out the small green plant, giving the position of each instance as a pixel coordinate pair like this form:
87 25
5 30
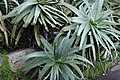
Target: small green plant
100 68
59 61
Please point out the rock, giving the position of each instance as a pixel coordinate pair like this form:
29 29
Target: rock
119 62
115 68
14 56
0 61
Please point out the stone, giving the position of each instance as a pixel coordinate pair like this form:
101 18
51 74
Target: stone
0 61
14 56
115 68
119 62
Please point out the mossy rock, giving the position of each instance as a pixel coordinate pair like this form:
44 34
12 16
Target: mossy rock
5 72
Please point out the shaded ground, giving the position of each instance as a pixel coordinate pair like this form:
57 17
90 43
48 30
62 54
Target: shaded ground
114 75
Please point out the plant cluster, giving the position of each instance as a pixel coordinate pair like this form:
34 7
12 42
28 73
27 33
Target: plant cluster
70 34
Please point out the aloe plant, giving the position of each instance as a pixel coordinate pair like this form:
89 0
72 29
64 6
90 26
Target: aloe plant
95 26
59 61
40 13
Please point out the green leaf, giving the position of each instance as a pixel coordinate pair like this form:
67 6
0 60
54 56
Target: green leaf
93 47
56 14
49 22
12 13
74 9
73 50
56 10
34 73
6 5
50 16
78 20
22 15
85 32
69 27
63 73
105 14
34 63
108 45
29 17
81 28
13 33
54 72
40 21
66 44
108 39
34 55
44 71
95 36
47 45
96 8
36 33
83 49
43 21
83 11
77 69
114 30
69 72
112 33
108 22
19 35
86 46
57 38
37 13
82 59
15 2
99 38
25 5
87 3
115 2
